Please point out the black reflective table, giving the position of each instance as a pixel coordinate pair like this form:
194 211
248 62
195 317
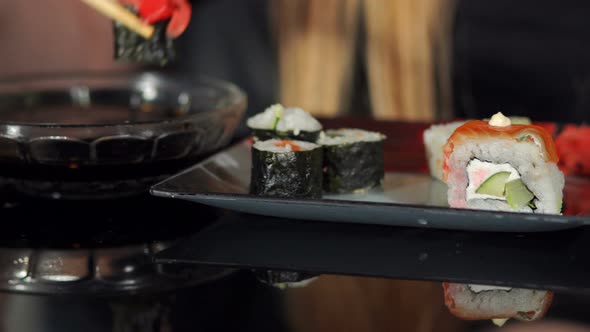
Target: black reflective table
99 248
555 260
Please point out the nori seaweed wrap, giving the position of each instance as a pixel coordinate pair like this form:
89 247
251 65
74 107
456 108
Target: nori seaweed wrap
353 160
277 122
287 169
131 47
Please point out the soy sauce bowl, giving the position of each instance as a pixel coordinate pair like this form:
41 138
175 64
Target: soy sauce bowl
109 135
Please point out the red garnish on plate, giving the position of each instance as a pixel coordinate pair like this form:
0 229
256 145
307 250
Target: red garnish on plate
572 147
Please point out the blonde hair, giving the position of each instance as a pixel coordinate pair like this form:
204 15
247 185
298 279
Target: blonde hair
407 55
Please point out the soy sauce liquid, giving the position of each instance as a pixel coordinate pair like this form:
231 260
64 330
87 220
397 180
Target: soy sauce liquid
83 156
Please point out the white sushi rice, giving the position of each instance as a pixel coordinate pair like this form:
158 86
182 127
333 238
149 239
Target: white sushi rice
271 146
542 178
266 120
289 119
296 284
348 135
296 120
499 303
485 288
435 138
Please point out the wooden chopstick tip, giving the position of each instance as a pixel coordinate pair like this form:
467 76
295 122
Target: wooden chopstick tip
117 12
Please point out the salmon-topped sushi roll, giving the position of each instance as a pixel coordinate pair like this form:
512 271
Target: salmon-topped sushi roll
501 166
478 302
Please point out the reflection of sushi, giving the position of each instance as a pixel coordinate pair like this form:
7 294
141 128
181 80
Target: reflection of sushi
503 167
285 279
283 168
472 302
353 160
285 123
496 165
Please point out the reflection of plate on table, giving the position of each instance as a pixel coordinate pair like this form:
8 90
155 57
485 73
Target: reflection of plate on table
405 200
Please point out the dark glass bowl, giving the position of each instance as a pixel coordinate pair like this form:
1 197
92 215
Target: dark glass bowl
109 135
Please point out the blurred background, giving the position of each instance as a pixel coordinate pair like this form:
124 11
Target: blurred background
397 59
411 60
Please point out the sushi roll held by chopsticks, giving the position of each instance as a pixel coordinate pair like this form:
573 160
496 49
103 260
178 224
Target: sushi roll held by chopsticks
501 166
144 30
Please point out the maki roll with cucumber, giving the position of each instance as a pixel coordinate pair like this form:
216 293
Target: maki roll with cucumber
169 19
279 122
131 47
437 135
353 160
501 166
287 169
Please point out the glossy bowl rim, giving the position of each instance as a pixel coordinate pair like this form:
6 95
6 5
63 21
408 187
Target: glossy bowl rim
237 96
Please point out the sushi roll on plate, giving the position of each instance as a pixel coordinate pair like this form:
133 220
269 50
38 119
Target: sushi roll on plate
279 122
286 169
436 136
499 166
353 160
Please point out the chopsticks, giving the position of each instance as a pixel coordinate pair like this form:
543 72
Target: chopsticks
115 11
